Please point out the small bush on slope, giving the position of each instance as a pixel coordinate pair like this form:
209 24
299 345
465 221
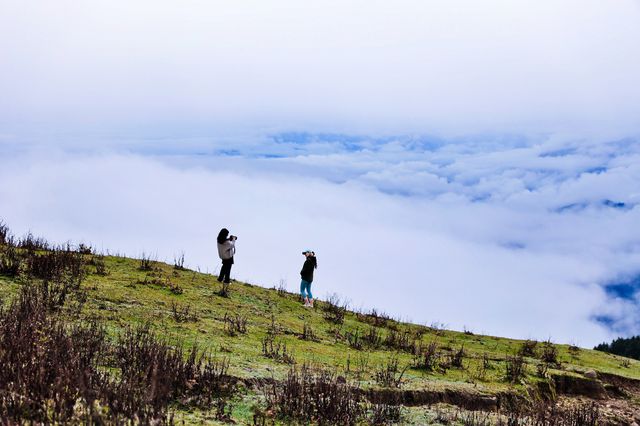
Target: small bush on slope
321 396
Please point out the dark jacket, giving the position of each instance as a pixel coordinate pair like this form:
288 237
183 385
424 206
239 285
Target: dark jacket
307 269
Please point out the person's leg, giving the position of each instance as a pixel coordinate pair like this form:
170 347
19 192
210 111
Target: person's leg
221 272
303 289
224 271
228 277
229 265
309 294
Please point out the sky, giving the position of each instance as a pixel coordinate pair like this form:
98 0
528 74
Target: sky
469 163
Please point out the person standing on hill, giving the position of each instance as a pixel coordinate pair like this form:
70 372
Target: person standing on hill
310 264
226 250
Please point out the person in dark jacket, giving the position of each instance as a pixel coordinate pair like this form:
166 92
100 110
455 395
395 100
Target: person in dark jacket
226 250
310 264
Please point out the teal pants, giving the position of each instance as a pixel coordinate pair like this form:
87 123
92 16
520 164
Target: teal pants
305 286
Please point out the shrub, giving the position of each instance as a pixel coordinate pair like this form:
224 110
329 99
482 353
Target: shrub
549 353
361 364
438 327
515 368
385 414
85 249
32 244
178 262
529 348
336 333
373 338
542 369
354 339
183 313
234 325
390 374
486 362
456 358
146 264
56 264
100 265
401 341
5 234
426 357
273 329
282 288
307 396
173 287
10 260
276 350
334 309
480 372
307 333
56 293
375 318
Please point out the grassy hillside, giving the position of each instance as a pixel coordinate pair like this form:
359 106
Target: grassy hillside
433 375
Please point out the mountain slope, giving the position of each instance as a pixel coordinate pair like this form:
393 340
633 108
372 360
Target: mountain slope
390 362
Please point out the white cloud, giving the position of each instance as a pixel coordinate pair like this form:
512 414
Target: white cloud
509 265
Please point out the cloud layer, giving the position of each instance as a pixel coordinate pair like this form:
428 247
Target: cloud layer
519 238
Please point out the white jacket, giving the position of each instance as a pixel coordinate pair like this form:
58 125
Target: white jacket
227 249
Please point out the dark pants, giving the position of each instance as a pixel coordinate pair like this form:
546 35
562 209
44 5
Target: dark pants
225 271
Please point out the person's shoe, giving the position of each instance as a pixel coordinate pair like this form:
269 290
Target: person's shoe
311 303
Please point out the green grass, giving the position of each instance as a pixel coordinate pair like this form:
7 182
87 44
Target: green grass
128 296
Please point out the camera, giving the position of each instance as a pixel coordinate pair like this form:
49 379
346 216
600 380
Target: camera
233 237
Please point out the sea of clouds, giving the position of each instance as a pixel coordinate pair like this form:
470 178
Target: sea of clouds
531 238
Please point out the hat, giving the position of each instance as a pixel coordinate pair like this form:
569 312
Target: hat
307 251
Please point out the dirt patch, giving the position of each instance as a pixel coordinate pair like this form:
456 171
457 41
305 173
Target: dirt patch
412 398
579 386
474 401
607 386
631 386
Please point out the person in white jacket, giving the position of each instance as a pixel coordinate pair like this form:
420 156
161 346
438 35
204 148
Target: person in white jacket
226 250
